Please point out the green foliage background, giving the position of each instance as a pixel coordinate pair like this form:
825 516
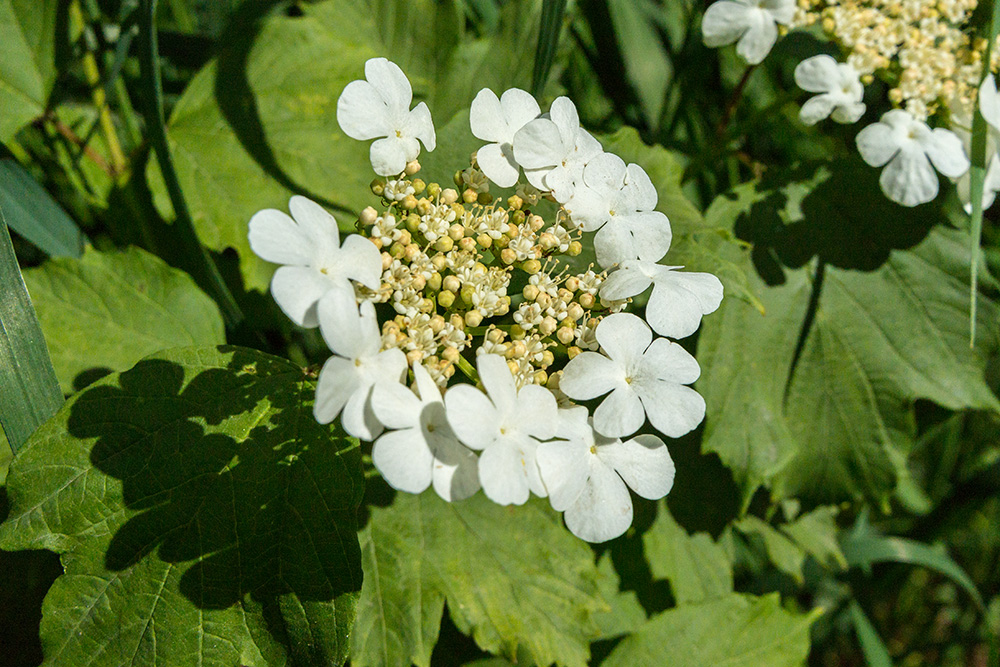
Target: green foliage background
839 506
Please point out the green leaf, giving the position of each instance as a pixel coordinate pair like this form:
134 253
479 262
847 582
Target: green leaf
732 631
698 569
512 577
626 614
888 329
548 40
29 391
816 533
27 61
106 311
648 66
203 515
783 552
35 215
874 649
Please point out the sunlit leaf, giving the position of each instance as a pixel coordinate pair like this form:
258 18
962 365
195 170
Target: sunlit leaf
27 61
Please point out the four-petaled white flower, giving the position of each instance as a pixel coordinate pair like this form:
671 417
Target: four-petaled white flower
679 298
380 107
646 378
553 150
908 148
315 262
347 378
989 106
586 475
422 448
839 86
618 201
497 120
753 24
507 427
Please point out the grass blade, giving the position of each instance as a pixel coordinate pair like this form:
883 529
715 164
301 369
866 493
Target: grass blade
35 215
29 391
548 38
874 649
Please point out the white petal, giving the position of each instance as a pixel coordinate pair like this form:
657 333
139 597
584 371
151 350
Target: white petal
643 462
536 411
724 23
589 375
503 472
371 340
639 188
624 337
877 144
538 145
386 366
486 117
605 173
519 108
627 281
614 244
457 476
340 323
537 176
588 208
620 414
678 301
498 381
362 113
395 405
404 460
564 467
426 388
274 237
497 166
338 380
818 74
816 109
849 113
390 82
418 124
561 183
651 232
757 41
357 418
665 360
909 179
989 101
472 416
390 155
298 289
317 224
673 409
563 114
604 509
360 260
944 148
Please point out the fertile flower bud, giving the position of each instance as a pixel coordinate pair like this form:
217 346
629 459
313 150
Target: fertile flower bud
548 325
452 283
412 167
468 244
587 300
484 240
444 244
377 186
449 196
531 267
508 256
565 335
418 186
575 248
530 292
473 318
368 216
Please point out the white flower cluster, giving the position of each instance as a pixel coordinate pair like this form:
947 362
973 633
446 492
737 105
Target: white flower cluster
919 45
437 270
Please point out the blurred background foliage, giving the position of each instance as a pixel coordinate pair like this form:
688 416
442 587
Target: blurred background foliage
841 503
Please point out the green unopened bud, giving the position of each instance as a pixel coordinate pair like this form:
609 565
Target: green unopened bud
502 242
457 179
444 244
445 298
412 222
517 217
531 267
466 294
418 186
433 190
378 187
397 250
434 282
516 332
484 198
469 196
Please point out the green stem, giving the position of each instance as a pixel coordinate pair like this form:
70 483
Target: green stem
202 265
467 369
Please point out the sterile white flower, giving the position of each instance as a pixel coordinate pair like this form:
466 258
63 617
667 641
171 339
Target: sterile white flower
497 120
753 24
908 148
679 298
646 378
618 201
839 85
506 426
347 378
989 106
380 107
422 448
586 475
553 150
308 244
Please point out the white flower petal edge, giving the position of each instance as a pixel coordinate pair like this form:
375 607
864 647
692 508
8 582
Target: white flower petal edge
506 424
910 151
379 106
644 376
839 86
310 242
346 381
496 120
753 24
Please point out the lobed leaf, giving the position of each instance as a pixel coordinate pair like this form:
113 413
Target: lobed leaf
27 61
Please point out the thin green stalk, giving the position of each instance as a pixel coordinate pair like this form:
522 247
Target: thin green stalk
548 39
203 268
977 175
467 369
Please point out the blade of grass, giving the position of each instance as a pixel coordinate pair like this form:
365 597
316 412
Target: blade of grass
35 215
202 268
874 649
977 175
29 391
548 38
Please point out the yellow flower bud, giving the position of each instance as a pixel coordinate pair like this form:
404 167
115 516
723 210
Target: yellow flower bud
412 222
414 356
433 190
473 318
565 335
515 202
575 248
386 260
531 267
508 256
516 332
572 283
575 311
444 244
547 358
377 186
418 186
530 292
548 325
412 167
469 196
434 282
397 250
587 300
409 202
451 283
540 377
368 216
573 351
450 354
449 196
484 240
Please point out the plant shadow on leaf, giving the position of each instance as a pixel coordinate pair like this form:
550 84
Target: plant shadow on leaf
831 210
264 514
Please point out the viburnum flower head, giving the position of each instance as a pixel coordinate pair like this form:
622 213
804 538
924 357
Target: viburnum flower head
315 263
421 448
554 149
497 120
910 151
839 86
752 24
378 107
347 378
645 378
679 298
506 424
618 201
586 475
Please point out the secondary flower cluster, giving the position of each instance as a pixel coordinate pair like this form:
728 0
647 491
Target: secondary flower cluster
480 301
921 48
